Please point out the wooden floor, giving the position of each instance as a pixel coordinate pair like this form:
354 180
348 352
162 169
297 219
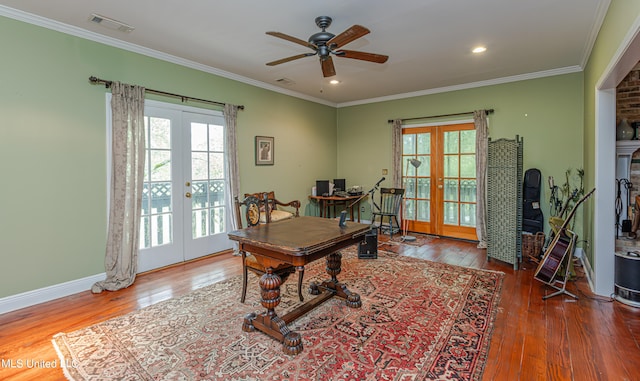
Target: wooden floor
592 338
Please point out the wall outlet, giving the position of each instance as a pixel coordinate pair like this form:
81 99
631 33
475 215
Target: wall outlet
362 209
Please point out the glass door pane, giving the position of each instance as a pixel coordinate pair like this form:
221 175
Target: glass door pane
459 181
160 231
157 224
417 157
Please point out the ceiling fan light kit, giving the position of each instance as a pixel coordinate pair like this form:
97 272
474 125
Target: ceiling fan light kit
324 44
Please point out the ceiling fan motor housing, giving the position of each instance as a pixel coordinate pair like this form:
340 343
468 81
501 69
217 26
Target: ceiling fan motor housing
320 38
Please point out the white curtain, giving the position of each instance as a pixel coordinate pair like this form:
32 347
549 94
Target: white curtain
127 175
396 148
232 167
482 135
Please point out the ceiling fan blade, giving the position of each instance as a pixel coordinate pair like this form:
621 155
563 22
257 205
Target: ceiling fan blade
293 39
328 70
347 36
371 57
283 60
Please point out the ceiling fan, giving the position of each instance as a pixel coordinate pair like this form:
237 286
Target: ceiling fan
324 44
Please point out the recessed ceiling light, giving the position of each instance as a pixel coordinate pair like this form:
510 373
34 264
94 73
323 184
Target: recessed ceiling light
334 82
479 49
110 23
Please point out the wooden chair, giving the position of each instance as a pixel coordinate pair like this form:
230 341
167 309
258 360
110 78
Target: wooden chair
390 201
275 214
259 207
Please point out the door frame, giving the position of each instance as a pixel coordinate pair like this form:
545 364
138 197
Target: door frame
436 225
197 247
165 253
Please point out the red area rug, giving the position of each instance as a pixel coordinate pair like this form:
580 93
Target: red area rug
419 320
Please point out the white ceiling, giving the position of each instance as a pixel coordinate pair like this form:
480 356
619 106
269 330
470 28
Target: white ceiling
429 42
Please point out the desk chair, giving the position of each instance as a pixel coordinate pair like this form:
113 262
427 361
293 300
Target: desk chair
257 212
390 200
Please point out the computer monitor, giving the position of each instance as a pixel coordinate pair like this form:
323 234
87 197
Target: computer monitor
339 184
322 187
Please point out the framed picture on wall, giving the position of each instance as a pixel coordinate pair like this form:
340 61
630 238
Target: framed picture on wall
264 150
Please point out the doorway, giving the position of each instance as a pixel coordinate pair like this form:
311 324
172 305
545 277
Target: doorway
184 211
439 177
601 271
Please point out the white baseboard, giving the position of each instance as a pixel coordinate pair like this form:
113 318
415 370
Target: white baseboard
578 253
588 270
45 294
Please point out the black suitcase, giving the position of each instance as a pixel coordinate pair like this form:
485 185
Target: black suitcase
532 219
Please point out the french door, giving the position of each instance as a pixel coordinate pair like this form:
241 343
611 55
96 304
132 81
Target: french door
440 193
184 212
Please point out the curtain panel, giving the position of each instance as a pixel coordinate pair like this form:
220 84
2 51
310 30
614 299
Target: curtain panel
125 193
396 151
482 135
232 167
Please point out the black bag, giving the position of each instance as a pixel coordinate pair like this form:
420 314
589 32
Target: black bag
368 249
532 219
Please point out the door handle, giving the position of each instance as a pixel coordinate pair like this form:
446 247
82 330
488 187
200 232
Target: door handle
187 195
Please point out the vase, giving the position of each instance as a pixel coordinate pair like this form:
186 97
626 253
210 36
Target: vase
624 131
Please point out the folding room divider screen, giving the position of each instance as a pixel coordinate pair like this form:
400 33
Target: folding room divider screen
504 200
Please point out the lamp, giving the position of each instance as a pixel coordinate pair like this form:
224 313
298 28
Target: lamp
405 223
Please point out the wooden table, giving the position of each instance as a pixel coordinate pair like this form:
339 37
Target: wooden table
325 203
297 241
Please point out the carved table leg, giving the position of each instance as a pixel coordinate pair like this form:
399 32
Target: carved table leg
334 267
300 270
269 322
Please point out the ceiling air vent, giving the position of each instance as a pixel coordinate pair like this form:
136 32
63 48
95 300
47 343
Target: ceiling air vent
110 23
285 81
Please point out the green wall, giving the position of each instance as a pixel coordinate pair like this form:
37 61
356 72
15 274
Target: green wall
53 146
546 112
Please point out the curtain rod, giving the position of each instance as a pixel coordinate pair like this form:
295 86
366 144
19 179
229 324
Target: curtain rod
487 112
184 98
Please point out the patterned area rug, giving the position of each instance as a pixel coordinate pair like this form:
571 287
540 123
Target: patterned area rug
419 320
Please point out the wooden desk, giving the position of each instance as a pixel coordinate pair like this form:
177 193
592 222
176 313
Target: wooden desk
296 241
325 203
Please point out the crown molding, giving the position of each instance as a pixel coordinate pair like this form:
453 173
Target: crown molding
471 85
601 13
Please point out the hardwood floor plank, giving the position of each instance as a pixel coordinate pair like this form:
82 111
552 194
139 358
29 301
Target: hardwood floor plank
558 356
